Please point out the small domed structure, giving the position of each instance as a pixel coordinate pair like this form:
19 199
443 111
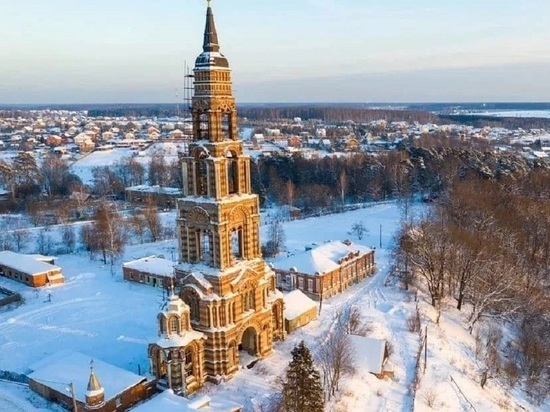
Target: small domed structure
95 394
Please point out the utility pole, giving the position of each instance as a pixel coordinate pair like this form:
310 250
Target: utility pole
73 396
425 348
380 235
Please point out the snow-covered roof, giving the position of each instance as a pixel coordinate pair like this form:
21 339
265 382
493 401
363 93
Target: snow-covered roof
369 353
42 258
154 189
167 401
297 303
177 341
62 368
322 259
152 265
25 264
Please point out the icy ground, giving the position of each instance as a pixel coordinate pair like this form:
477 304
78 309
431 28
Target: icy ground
97 313
19 398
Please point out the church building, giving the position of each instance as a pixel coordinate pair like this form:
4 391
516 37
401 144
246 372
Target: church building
228 306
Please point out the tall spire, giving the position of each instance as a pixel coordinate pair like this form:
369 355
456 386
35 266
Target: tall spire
210 56
93 383
95 394
211 43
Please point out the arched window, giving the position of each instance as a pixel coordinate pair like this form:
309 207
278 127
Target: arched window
174 324
189 370
201 177
232 174
192 299
205 247
226 126
237 243
251 303
203 126
162 324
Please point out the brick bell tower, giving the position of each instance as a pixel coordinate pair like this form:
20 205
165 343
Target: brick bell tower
229 288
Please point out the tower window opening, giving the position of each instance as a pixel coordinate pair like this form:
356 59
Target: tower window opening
237 243
188 362
251 302
204 243
232 174
201 178
227 128
203 126
174 324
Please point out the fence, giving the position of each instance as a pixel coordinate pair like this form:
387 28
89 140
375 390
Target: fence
11 297
14 377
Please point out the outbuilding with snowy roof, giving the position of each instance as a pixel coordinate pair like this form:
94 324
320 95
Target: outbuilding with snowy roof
151 270
299 310
33 270
167 401
96 385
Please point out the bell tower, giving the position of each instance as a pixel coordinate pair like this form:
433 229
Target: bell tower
216 171
223 279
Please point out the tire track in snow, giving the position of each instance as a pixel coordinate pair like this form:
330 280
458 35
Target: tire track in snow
48 311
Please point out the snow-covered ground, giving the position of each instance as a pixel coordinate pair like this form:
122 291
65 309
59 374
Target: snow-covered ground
511 113
83 167
19 398
95 312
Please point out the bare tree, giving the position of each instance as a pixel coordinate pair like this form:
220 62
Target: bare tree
109 230
359 229
430 256
343 184
44 242
336 357
290 193
152 219
89 239
20 235
69 237
275 238
138 225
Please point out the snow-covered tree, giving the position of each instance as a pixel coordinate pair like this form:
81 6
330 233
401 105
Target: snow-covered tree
302 389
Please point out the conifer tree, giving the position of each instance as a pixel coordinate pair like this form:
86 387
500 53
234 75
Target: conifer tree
302 390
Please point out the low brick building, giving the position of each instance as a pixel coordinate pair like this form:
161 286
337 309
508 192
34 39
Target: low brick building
33 270
326 270
152 270
97 385
164 197
299 310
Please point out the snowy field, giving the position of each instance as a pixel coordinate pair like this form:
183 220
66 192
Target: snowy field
511 113
95 312
83 167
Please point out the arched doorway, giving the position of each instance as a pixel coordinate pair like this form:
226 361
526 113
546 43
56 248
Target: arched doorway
249 341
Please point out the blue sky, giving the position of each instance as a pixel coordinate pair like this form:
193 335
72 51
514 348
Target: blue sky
69 51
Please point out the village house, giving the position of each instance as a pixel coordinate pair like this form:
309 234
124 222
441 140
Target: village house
326 270
164 197
152 270
74 378
33 270
374 356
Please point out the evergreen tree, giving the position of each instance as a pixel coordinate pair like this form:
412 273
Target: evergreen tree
302 390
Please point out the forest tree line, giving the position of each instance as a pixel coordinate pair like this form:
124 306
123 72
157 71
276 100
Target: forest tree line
485 249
